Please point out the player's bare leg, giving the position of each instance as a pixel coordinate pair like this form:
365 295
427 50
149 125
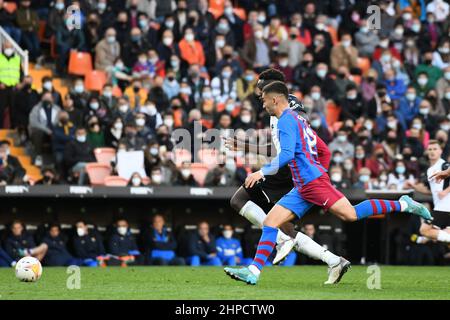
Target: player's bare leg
435 233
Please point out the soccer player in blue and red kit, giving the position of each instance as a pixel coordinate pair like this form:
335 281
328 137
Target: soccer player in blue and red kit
312 185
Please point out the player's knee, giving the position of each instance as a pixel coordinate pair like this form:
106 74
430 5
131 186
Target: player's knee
349 216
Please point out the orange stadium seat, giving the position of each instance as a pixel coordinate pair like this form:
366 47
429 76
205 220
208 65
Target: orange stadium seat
115 181
105 155
333 113
97 173
364 64
199 172
10 6
95 80
80 63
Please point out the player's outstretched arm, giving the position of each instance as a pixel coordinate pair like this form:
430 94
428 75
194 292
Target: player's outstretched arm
441 175
235 144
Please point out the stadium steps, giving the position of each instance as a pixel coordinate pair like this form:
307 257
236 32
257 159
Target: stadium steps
33 172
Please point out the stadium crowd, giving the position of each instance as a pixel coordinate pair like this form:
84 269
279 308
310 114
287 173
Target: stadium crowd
375 95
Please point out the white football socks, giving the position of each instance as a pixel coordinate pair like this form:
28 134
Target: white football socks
443 236
253 213
312 249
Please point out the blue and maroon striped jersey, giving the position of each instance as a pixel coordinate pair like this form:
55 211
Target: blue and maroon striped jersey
298 150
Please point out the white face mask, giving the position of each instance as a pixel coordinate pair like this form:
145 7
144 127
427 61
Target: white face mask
346 43
315 95
140 122
94 105
118 125
315 123
424 111
337 177
156 179
123 108
341 138
154 151
81 139
227 234
79 88
168 122
411 96
168 41
136 181
81 232
185 90
392 124
447 75
8 52
321 73
447 95
364 178
338 159
220 43
189 37
422 81
348 166
445 127
368 126
246 118
122 230
48 85
207 95
185 173
417 126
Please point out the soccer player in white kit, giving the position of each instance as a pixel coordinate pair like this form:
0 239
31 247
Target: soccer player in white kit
440 190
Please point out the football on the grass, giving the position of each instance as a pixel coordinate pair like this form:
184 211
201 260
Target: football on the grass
28 269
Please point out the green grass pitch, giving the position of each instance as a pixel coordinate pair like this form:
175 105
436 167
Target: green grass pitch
301 282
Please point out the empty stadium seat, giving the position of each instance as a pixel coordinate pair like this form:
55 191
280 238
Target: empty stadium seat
181 155
95 80
115 181
105 155
80 63
333 113
199 171
97 173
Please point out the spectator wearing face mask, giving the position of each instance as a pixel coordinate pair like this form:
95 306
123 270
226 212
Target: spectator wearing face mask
114 133
430 121
47 85
107 51
123 111
97 110
224 85
385 47
79 94
167 47
245 120
422 84
293 47
427 71
77 154
395 87
409 105
341 143
349 172
283 65
322 79
107 99
157 177
135 180
62 133
10 66
11 171
88 245
95 135
337 178
229 249
43 117
366 40
344 53
400 177
184 176
191 50
122 244
317 124
49 177
67 38
171 86
246 84
257 50
364 180
443 88
160 243
363 160
133 46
